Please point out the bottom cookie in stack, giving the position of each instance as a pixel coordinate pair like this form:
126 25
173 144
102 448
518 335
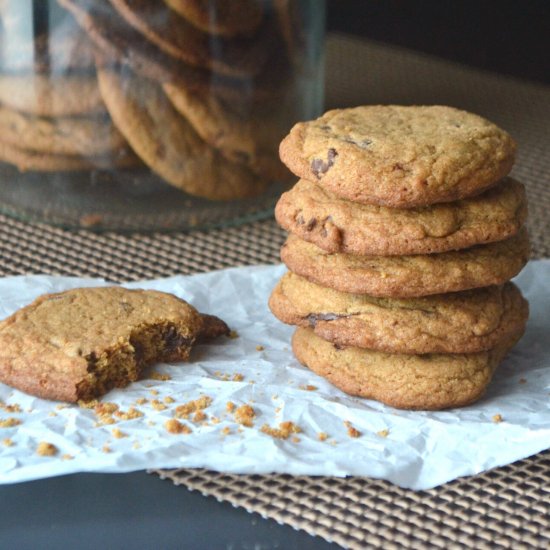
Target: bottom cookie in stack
405 381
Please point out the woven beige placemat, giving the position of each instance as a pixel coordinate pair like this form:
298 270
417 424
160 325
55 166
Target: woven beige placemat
505 508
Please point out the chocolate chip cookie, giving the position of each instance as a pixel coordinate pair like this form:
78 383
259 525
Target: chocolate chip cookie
250 137
81 343
86 136
167 143
51 96
35 161
220 17
120 43
175 36
409 276
460 322
338 225
418 382
398 156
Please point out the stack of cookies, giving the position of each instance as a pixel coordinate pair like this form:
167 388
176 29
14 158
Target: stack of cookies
52 117
404 233
199 91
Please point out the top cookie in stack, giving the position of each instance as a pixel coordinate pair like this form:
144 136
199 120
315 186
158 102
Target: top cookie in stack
404 232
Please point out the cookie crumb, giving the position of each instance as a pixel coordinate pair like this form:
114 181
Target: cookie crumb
105 408
215 420
183 411
238 377
245 415
105 419
226 430
90 220
230 406
15 408
174 426
142 401
9 422
159 376
296 439
118 433
67 456
308 387
259 348
92 404
497 418
46 449
154 392
106 449
169 399
383 433
233 334
352 432
130 414
199 416
52 413
8 442
158 405
61 406
284 430
322 436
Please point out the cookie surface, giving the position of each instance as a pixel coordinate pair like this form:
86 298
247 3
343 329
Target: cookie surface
174 35
118 43
460 322
86 136
338 225
399 156
34 161
418 382
80 343
51 96
409 276
167 143
219 16
250 138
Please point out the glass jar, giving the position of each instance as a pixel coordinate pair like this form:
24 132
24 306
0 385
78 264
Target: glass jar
152 115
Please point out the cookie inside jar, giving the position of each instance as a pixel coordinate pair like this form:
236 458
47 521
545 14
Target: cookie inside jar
142 115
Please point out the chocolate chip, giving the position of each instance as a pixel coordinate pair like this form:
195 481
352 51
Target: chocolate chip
139 351
212 327
311 224
91 359
319 166
173 340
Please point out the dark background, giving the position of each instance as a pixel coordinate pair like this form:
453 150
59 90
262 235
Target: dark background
498 35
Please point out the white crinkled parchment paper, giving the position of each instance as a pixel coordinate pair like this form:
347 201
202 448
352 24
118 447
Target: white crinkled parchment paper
421 449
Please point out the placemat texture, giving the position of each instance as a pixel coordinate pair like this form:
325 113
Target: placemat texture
507 507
